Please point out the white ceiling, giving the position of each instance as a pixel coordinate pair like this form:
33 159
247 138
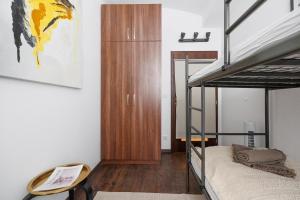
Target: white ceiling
209 9
195 6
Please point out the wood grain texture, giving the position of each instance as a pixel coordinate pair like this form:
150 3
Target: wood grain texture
168 177
131 162
146 113
131 65
131 127
116 108
146 24
194 54
116 22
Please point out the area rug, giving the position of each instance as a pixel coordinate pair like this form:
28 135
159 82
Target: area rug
145 196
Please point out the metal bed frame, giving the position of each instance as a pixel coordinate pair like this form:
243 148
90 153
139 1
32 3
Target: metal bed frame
275 67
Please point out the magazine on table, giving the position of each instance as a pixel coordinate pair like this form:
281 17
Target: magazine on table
61 177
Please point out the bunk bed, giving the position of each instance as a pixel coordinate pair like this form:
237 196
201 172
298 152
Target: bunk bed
269 60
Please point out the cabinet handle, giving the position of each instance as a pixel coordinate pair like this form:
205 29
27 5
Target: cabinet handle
133 99
128 33
134 34
127 99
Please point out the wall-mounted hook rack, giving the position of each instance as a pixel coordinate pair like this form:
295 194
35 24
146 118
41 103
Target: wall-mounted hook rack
195 38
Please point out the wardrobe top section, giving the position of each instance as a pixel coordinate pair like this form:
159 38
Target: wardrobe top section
129 4
131 22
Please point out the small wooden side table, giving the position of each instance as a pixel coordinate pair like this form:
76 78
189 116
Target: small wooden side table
81 182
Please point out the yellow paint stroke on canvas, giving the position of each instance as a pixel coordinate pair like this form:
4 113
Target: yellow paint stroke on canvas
44 19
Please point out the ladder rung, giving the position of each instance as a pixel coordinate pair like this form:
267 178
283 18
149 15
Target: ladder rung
196 151
200 62
229 134
195 129
194 108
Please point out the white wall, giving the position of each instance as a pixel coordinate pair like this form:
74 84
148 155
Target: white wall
174 22
243 104
210 101
239 106
42 126
268 13
285 118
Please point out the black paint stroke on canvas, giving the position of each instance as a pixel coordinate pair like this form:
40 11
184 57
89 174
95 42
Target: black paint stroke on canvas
20 25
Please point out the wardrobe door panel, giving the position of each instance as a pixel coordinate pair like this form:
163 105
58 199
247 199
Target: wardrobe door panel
116 106
116 22
146 22
146 113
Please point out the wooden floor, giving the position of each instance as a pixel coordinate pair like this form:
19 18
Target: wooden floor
168 177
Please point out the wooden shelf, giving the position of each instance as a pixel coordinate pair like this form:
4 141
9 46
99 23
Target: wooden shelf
194 139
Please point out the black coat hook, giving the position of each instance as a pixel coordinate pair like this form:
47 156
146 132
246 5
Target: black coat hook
182 35
196 35
195 38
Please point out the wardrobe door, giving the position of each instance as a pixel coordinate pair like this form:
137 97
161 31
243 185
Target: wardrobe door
116 22
146 24
116 105
146 113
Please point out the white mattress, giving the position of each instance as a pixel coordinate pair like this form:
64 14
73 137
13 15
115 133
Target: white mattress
209 188
207 70
283 28
227 180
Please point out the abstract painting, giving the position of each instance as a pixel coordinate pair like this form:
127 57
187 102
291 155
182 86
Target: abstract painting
40 41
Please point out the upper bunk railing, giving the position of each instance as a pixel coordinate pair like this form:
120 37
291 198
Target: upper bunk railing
244 16
275 66
228 29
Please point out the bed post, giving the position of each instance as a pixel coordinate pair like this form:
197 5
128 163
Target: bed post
203 135
226 36
267 131
292 5
187 126
217 118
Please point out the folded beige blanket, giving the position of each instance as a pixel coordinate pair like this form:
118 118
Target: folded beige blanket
269 160
265 156
276 169
237 148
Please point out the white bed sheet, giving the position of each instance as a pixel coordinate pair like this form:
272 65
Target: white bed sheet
227 180
208 186
285 27
207 70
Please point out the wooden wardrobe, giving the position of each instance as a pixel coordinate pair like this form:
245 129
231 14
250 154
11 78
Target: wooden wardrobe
131 82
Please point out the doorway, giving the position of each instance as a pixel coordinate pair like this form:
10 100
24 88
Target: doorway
178 97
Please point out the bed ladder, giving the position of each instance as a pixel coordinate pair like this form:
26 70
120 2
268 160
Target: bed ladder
203 134
190 127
